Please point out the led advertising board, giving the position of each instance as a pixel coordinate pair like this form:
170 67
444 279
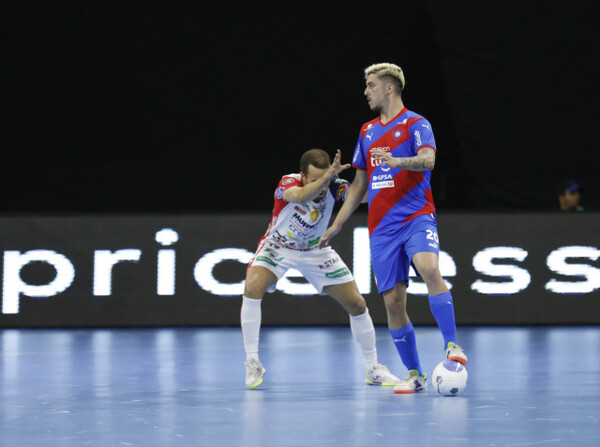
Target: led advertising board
91 271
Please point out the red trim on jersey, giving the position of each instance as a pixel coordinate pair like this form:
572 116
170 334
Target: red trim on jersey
423 147
280 203
404 110
367 126
388 197
428 208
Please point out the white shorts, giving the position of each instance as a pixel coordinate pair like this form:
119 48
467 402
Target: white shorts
320 267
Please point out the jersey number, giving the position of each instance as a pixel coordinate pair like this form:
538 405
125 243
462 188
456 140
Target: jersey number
433 236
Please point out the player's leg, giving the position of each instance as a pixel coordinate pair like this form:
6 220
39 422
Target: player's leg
258 280
328 273
363 331
403 334
440 302
390 266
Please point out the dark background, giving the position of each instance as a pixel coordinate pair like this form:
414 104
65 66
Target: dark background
135 106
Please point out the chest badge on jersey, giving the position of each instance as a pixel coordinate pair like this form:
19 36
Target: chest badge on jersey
314 215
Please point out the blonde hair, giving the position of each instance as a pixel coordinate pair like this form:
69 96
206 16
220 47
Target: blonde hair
387 70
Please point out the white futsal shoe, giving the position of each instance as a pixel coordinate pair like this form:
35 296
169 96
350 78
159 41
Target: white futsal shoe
455 352
254 373
412 383
379 374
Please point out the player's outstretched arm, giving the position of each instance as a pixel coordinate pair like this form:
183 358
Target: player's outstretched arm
305 193
354 197
423 161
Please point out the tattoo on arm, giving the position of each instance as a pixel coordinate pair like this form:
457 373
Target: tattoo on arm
423 161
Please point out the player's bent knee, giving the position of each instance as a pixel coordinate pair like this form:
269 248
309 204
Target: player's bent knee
258 280
358 307
255 288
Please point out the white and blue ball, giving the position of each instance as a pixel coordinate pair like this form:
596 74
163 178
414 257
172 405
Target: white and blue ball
449 378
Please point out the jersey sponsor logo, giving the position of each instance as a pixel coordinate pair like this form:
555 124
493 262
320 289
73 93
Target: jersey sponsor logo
298 221
338 273
267 260
287 181
374 162
314 242
300 210
280 238
369 136
418 136
377 178
382 185
295 232
279 192
273 254
426 126
327 264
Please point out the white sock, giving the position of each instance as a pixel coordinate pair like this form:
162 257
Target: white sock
364 334
250 321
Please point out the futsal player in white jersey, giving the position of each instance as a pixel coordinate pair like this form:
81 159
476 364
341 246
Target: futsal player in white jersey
303 206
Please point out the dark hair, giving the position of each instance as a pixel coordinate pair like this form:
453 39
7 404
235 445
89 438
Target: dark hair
316 157
388 79
565 185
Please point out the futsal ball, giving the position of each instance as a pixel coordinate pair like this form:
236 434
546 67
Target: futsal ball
450 378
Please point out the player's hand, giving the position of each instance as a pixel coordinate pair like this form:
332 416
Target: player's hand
336 167
386 158
331 232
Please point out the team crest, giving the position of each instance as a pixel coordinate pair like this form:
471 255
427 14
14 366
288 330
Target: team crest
397 134
314 215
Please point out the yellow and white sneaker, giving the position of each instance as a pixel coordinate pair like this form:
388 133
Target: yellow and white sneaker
379 374
412 383
254 373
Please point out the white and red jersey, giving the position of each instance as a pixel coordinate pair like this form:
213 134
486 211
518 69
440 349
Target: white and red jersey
299 226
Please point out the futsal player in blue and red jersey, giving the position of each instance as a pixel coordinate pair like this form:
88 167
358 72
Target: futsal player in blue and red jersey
393 158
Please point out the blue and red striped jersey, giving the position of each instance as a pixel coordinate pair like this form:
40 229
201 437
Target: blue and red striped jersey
396 195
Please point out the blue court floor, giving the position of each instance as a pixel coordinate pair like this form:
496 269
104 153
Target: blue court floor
528 386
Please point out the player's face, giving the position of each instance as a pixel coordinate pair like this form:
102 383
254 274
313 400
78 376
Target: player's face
375 92
312 176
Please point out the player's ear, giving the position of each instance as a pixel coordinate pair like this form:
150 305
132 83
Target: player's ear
303 177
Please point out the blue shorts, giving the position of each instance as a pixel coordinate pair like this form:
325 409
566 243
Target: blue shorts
392 252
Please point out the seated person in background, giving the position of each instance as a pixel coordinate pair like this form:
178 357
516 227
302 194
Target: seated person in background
569 195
